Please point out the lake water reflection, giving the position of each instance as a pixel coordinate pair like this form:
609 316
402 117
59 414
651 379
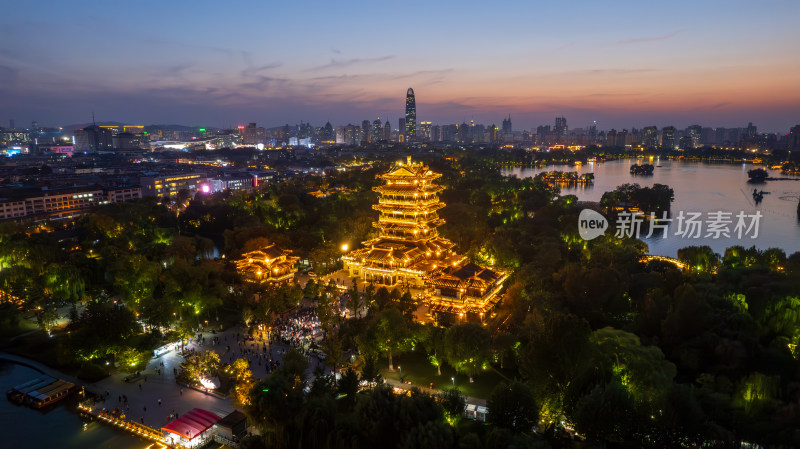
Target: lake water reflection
699 187
23 427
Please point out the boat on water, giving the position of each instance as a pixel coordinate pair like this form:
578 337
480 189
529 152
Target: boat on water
40 392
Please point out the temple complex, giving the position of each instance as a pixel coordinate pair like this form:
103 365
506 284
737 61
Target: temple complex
410 253
269 264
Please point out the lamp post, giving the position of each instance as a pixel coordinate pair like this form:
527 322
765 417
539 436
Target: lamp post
454 381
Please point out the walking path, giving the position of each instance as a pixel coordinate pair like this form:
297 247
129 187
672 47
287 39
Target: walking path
431 391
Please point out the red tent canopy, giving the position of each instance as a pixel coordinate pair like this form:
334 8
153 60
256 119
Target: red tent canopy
192 424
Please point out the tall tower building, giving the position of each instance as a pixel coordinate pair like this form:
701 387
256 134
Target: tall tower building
366 127
425 130
377 130
650 136
694 134
561 127
411 115
387 131
409 252
668 137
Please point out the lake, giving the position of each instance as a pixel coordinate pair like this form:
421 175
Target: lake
699 187
24 427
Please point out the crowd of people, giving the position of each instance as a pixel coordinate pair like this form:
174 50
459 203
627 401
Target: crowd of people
298 329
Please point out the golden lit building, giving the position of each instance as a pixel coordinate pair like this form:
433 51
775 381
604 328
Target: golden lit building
268 264
409 252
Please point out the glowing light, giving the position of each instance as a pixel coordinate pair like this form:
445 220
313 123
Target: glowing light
207 383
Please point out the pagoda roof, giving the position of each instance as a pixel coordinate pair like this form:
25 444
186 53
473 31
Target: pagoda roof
430 207
468 275
410 171
407 189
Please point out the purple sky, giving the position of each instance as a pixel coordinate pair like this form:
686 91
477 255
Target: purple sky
623 63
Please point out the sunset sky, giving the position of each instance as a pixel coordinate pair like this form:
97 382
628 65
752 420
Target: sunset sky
622 63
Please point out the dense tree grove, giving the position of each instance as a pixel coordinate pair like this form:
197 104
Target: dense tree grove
595 347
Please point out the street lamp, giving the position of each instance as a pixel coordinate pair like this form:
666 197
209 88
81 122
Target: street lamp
345 246
454 381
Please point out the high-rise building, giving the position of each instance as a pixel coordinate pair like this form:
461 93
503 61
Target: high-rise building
93 138
593 131
493 134
327 134
377 130
622 138
425 131
253 135
387 131
794 138
650 137
401 129
561 127
411 116
507 125
668 137
366 128
436 133
694 133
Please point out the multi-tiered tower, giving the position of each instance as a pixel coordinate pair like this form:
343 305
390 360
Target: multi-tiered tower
410 253
408 247
408 204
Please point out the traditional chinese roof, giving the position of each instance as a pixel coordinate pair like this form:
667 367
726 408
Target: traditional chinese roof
267 262
466 276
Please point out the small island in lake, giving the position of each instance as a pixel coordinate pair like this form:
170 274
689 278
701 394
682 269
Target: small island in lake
644 169
758 175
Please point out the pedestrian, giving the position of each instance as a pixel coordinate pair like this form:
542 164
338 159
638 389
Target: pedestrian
140 387
159 402
181 391
142 419
145 409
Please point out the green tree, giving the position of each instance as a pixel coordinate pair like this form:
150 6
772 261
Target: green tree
387 333
468 348
513 407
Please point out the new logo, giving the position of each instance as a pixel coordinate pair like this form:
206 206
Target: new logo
591 224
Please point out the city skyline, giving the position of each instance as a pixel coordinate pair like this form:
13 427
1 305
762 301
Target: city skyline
282 64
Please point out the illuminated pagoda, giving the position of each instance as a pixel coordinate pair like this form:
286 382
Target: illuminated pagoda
409 252
269 264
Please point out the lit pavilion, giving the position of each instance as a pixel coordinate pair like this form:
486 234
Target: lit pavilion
409 252
269 264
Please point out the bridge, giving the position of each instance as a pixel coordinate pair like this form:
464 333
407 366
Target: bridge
670 260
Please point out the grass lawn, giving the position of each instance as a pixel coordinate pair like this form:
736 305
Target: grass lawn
415 367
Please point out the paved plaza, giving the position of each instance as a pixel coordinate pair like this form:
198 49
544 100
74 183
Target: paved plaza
158 383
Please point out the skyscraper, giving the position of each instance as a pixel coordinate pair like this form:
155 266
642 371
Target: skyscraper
377 130
425 131
668 137
507 129
650 137
694 134
411 115
794 138
561 127
366 127
387 131
254 135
